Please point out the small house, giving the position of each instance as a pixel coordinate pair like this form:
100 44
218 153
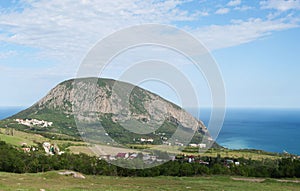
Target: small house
122 155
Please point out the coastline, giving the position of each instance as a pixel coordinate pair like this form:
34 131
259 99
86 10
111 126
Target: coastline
274 130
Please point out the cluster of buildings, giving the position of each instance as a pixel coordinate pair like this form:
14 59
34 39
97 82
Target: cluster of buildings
201 145
51 149
165 140
144 140
34 122
228 162
129 156
147 158
27 148
196 159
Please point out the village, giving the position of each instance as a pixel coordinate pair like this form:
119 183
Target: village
51 149
148 158
34 122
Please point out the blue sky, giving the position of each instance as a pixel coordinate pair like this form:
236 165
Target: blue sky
255 43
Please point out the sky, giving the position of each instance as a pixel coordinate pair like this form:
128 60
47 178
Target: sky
255 44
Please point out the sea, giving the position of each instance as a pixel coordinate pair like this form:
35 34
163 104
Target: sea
274 130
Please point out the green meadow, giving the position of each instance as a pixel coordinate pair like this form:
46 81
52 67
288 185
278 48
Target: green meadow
54 181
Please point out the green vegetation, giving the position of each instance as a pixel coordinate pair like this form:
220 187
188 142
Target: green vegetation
64 128
123 136
77 149
62 123
137 99
52 181
20 137
15 160
169 176
14 140
241 153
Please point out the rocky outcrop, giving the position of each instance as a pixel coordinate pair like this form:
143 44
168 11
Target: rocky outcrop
72 173
86 99
91 99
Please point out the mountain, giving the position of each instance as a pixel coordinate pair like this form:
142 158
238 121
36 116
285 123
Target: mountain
105 110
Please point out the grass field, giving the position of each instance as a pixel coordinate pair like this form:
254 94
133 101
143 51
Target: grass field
19 138
31 139
254 155
54 181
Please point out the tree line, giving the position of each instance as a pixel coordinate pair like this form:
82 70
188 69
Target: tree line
16 161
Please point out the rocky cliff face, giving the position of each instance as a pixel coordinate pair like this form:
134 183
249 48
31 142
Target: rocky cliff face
115 105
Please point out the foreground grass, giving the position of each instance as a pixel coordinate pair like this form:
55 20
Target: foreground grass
53 181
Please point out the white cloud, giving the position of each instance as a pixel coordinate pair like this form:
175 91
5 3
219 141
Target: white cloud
67 30
281 5
240 32
234 2
203 13
7 54
243 8
222 11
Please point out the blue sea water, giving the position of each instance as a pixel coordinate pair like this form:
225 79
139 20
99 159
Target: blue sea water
274 130
9 111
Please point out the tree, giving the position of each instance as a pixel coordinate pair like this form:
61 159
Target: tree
186 169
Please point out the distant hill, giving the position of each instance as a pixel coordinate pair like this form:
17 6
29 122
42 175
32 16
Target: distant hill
127 118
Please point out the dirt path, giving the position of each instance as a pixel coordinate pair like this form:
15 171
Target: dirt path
249 179
293 181
263 179
110 150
